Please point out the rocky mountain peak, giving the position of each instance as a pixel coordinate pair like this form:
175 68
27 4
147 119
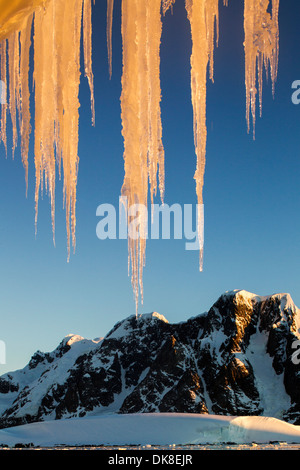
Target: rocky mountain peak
135 324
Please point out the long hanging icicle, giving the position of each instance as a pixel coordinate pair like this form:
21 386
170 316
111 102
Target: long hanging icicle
4 105
141 121
261 51
110 9
24 111
87 46
14 98
45 78
203 15
156 163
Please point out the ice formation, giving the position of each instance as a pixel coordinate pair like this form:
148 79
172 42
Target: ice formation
203 15
141 121
261 50
110 8
56 49
58 26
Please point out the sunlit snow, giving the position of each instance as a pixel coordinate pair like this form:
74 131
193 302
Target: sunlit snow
152 429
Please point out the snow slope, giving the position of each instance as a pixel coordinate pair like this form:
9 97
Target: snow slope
152 428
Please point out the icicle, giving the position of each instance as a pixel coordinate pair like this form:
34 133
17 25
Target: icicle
202 14
261 51
45 77
110 8
154 125
68 18
24 110
13 61
87 41
141 120
4 106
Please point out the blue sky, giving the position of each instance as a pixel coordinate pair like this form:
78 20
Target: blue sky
251 198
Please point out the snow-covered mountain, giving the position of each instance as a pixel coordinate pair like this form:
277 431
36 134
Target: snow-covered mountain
239 358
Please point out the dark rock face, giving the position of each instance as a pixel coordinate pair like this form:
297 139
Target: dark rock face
236 359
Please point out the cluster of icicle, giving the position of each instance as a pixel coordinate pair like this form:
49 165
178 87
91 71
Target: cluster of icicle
141 32
57 33
56 27
261 51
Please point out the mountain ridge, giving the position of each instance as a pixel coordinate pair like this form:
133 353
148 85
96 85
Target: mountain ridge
235 359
